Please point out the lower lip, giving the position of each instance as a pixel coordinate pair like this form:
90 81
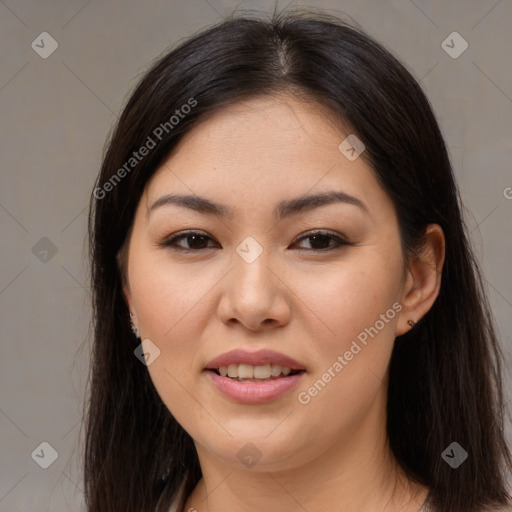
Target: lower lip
254 392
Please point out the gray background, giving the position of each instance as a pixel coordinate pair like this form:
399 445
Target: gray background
55 115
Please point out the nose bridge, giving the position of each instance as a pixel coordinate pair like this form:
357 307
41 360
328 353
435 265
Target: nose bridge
253 294
252 270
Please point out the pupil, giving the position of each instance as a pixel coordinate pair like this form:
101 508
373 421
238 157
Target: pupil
317 238
196 238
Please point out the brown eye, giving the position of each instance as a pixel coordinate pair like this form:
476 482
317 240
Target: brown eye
194 240
324 241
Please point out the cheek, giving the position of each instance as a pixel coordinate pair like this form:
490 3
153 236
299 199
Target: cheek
172 316
349 299
168 296
173 306
358 308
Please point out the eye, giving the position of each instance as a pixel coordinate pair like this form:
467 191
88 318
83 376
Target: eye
321 241
195 240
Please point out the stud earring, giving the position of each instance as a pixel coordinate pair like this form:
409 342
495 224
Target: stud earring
412 323
135 328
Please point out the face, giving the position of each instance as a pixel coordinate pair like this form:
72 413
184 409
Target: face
320 282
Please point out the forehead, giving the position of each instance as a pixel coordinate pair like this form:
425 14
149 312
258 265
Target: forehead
265 127
263 149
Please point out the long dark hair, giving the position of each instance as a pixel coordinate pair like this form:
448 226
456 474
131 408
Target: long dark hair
445 375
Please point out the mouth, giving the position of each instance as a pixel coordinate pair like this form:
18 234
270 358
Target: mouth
250 373
263 387
254 377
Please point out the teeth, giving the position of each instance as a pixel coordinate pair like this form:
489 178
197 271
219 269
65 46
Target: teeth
247 371
275 370
262 372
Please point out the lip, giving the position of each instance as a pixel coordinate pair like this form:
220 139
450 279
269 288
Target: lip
254 392
258 358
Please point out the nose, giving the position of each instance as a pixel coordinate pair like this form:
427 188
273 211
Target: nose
255 295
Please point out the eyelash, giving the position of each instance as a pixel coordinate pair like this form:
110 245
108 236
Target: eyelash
171 242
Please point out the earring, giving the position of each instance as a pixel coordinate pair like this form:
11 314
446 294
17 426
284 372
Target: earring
412 323
135 328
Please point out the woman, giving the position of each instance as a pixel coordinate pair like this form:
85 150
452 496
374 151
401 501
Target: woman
288 314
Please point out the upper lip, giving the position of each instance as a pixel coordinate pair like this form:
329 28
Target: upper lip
259 358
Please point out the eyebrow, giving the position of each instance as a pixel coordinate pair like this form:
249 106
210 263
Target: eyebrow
284 209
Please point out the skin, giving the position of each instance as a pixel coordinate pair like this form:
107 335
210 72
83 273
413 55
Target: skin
329 454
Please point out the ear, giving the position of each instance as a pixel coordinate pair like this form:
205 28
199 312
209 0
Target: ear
127 294
128 297
423 280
